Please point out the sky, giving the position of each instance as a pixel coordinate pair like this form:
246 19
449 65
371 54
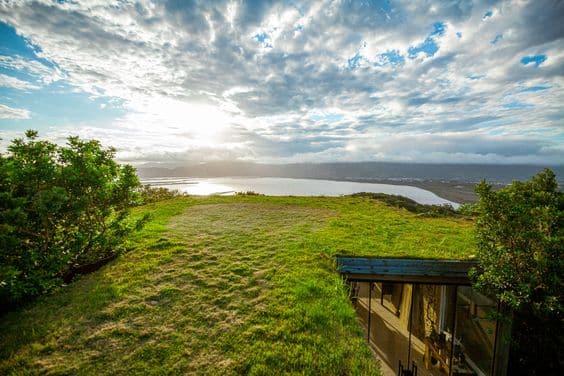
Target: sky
174 82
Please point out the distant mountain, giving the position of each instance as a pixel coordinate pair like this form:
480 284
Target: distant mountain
464 173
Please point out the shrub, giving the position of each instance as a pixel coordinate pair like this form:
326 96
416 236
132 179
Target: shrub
520 245
62 208
468 210
151 194
248 193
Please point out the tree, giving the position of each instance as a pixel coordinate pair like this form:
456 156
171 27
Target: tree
61 208
519 244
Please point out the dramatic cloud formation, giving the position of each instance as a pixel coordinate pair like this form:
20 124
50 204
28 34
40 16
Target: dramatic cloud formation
174 81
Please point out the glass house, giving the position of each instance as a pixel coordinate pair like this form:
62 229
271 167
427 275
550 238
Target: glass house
422 317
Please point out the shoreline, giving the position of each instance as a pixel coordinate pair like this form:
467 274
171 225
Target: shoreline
457 192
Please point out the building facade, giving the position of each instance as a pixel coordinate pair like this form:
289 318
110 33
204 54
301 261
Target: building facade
422 317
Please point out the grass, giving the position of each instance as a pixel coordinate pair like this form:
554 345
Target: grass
225 285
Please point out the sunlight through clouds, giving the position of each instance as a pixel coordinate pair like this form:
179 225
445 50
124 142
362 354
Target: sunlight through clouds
202 122
290 81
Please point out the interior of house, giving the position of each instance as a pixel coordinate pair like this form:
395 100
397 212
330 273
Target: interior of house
427 329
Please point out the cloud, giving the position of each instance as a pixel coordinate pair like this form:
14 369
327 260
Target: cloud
13 113
257 80
14 83
34 69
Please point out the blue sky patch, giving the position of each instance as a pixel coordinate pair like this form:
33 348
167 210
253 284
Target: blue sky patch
354 62
261 37
418 101
327 118
536 88
59 104
487 15
264 39
384 5
13 44
392 57
440 28
517 105
429 46
497 38
19 74
536 59
459 34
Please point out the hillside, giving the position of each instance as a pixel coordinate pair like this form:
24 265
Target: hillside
225 285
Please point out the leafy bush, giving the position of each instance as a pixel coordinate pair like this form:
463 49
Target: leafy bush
410 205
62 208
520 243
520 249
468 210
151 194
248 193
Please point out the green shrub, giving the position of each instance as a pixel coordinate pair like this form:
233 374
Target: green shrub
520 244
248 193
151 194
62 208
468 210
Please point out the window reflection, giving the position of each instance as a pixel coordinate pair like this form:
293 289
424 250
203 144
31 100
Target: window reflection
475 329
413 325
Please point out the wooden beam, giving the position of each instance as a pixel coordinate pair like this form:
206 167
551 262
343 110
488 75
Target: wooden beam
405 270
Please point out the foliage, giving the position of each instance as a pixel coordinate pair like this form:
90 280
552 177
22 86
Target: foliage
410 205
225 285
520 243
248 193
520 248
150 194
61 208
468 209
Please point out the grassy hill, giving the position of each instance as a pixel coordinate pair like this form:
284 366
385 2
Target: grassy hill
225 285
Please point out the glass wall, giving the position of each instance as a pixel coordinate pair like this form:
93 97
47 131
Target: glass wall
432 328
439 329
475 330
385 327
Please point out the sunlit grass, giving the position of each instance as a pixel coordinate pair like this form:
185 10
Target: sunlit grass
225 285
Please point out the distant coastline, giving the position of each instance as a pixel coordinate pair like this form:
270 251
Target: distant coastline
277 186
452 182
460 192
456 192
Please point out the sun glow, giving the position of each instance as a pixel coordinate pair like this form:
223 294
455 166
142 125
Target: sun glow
202 124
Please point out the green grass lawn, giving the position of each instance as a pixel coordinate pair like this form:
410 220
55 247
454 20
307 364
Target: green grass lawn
225 285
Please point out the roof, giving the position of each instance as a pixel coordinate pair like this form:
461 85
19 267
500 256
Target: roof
406 270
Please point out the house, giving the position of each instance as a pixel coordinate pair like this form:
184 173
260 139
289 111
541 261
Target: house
422 317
